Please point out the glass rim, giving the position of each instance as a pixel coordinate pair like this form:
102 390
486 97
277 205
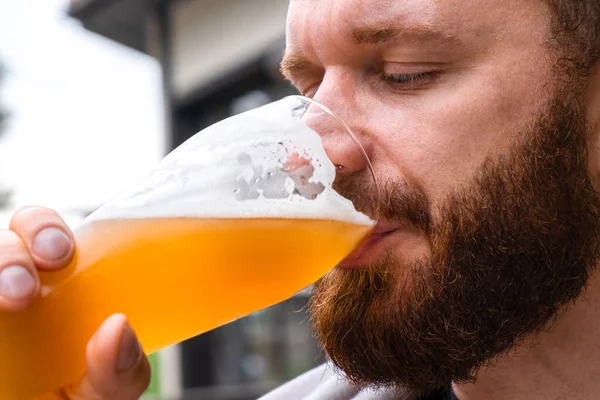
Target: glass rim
345 126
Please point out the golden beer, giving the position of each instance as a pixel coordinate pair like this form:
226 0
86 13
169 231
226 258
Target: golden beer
173 277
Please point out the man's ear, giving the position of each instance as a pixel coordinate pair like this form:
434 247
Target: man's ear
593 121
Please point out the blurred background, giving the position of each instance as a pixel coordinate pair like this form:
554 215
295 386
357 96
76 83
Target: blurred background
94 92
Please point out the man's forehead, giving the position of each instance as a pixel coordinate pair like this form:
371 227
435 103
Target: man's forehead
449 16
364 12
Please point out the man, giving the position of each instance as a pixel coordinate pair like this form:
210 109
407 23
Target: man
481 282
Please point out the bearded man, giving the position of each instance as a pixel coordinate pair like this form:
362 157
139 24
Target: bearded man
480 281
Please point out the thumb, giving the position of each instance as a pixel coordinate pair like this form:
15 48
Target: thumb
117 368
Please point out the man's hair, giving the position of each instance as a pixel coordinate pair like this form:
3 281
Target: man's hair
576 33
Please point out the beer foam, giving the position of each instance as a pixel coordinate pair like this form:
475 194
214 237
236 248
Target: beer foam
259 164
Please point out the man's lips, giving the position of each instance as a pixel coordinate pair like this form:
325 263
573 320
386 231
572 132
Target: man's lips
371 247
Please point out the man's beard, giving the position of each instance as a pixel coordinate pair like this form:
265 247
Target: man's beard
508 252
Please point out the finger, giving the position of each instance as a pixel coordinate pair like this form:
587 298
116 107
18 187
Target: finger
117 368
19 282
46 235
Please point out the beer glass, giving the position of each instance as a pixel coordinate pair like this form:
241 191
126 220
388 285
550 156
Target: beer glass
241 216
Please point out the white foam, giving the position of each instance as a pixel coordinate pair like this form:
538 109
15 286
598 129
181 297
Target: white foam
235 169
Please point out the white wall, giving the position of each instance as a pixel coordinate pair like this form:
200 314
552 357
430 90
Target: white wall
211 37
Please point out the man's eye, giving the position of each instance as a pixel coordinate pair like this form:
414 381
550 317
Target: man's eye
409 81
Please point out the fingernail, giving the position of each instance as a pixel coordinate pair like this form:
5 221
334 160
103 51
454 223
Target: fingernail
130 350
16 282
52 244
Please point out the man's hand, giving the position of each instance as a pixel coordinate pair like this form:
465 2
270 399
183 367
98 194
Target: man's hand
39 240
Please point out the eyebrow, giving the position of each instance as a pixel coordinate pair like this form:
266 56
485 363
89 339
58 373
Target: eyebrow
387 32
295 63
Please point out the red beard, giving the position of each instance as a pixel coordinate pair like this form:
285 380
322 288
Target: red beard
507 253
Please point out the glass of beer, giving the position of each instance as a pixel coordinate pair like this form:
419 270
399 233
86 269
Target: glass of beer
241 216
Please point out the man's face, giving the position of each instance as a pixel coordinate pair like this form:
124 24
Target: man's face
481 154
473 73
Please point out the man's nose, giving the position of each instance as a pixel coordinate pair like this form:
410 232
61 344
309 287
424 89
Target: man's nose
342 147
341 143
